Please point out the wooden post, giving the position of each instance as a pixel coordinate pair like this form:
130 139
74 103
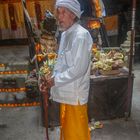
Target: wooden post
130 76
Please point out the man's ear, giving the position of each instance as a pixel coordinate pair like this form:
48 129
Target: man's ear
73 16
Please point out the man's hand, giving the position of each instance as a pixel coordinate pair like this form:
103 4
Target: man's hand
49 80
46 82
43 85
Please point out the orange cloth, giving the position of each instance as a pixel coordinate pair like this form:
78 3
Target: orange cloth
97 8
74 122
111 22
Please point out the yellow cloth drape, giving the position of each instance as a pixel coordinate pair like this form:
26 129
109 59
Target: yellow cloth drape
6 31
4 13
4 16
31 9
74 122
19 15
45 5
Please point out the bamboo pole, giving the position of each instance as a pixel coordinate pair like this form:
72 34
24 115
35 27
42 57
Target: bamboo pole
130 76
44 96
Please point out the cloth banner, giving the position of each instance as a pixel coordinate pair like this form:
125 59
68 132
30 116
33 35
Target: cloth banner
111 24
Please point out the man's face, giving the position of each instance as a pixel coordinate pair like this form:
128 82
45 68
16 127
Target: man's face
65 18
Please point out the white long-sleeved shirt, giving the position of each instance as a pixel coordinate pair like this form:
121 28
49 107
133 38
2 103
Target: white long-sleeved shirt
73 67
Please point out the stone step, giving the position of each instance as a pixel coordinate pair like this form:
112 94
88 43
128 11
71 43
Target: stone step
18 88
12 84
18 97
9 97
15 96
15 66
14 71
9 81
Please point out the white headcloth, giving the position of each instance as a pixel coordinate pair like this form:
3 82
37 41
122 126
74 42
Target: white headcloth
72 5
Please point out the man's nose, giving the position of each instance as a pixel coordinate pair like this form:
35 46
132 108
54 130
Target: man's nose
60 16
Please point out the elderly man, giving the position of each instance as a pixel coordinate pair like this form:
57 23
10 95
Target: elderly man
70 84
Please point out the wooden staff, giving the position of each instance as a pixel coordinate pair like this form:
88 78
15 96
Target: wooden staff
45 106
44 102
130 76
